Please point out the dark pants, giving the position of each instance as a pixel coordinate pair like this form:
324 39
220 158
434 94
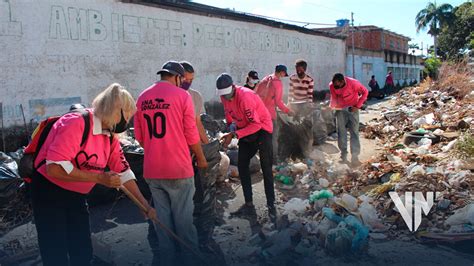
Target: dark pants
62 222
248 147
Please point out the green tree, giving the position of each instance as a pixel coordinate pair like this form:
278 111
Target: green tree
458 35
413 47
433 17
432 65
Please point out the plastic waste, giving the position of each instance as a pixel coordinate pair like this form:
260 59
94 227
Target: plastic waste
339 240
424 120
449 146
455 180
286 180
224 164
369 215
323 182
462 216
361 232
349 202
388 129
425 142
295 207
10 181
417 170
299 168
331 215
317 155
320 194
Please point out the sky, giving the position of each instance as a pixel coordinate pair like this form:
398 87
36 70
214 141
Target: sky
396 15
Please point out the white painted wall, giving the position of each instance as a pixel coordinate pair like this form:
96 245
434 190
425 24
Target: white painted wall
58 52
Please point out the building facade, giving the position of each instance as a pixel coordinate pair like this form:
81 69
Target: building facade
376 52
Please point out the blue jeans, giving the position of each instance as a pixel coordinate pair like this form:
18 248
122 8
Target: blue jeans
173 200
346 120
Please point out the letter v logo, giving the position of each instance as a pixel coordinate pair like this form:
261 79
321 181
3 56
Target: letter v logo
422 205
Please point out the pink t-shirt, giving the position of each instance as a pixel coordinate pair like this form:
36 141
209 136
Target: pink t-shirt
166 125
248 112
353 94
63 144
270 89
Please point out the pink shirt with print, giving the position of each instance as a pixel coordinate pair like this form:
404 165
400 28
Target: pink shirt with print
248 112
353 94
270 89
63 144
166 126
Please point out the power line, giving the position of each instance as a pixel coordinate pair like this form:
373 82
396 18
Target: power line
289 20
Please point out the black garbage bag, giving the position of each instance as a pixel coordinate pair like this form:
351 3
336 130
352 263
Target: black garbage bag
101 194
296 134
319 127
205 196
10 181
212 126
328 116
17 155
135 160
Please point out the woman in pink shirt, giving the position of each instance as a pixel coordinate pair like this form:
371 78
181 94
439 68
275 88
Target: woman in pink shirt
67 171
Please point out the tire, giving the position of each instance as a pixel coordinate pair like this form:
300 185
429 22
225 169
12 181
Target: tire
415 137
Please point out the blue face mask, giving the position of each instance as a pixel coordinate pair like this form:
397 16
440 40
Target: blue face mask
254 81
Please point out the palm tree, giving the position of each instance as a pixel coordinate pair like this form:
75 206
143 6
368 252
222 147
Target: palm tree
433 17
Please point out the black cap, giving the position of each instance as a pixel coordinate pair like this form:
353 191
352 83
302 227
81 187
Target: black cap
172 67
77 106
224 84
253 74
280 68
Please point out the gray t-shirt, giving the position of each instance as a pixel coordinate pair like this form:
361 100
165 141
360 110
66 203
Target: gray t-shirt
197 102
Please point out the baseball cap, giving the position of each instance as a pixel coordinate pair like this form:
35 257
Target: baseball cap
253 74
280 68
172 67
224 84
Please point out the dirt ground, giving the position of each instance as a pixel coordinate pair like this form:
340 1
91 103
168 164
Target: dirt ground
131 240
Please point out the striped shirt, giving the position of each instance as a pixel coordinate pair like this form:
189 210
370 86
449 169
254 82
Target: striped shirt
301 89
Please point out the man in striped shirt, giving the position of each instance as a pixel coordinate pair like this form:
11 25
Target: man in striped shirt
301 84
301 101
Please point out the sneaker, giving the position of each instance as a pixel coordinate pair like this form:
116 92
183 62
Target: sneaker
246 209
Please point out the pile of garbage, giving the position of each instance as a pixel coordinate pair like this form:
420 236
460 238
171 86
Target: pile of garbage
428 140
14 206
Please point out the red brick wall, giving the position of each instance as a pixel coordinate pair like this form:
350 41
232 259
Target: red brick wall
372 40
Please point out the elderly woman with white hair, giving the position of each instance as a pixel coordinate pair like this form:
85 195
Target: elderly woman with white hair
69 165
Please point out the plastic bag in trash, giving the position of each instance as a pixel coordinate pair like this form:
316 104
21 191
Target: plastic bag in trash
319 128
320 194
339 240
361 233
462 216
295 207
300 125
10 181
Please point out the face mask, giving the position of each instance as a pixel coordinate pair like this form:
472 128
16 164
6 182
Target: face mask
185 85
254 81
121 126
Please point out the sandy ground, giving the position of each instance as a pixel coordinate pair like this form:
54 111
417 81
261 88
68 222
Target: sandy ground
131 241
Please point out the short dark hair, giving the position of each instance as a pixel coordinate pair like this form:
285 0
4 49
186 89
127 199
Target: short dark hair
373 76
337 77
187 66
301 63
165 75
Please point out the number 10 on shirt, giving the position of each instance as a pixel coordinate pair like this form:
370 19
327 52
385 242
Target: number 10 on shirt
153 125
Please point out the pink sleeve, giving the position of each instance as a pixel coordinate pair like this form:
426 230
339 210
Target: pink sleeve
137 123
66 144
363 92
333 100
117 162
189 121
252 117
278 96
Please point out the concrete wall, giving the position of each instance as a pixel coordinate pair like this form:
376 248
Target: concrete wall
58 52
